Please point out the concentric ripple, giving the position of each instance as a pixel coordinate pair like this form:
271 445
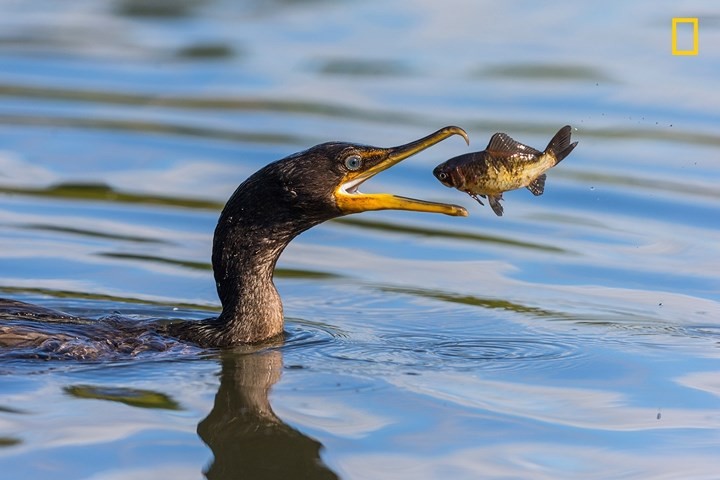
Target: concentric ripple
311 344
302 334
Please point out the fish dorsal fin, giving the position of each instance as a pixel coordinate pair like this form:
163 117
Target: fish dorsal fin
537 186
502 143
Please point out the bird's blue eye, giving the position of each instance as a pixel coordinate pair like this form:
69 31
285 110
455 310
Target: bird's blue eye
353 162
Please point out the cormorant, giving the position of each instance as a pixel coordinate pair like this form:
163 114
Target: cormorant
268 210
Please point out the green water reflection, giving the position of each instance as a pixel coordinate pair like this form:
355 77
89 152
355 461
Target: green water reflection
489 303
9 442
278 273
453 234
546 71
82 191
91 233
129 396
169 9
74 294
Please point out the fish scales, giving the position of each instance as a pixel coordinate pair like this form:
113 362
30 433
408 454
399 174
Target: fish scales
504 165
496 174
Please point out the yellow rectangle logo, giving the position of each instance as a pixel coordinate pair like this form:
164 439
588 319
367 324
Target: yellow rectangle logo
696 34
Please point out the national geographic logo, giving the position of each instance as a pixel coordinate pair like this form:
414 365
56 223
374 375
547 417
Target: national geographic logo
685 35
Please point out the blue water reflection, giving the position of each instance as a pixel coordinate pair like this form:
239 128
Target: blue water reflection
577 336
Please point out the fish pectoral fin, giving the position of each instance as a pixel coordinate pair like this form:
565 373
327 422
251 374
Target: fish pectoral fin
473 195
537 186
494 201
501 144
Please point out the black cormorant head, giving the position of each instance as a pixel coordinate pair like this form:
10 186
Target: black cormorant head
307 188
323 182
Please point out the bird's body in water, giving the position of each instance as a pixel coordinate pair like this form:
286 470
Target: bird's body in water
265 213
504 165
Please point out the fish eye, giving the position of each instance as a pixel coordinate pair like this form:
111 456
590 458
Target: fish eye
353 162
442 176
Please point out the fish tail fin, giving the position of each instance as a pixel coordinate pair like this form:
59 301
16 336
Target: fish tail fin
560 146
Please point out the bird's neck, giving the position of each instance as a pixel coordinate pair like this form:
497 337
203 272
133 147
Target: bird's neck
252 232
259 220
244 258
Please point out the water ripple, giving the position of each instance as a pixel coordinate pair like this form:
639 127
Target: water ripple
420 350
302 334
505 350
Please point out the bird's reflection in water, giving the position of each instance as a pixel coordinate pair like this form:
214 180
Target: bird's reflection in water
246 437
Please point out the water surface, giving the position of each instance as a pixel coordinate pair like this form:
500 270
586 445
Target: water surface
576 337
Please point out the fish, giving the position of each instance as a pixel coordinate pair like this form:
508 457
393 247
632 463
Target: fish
504 165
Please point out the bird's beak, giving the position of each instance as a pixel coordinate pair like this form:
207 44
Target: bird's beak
350 200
